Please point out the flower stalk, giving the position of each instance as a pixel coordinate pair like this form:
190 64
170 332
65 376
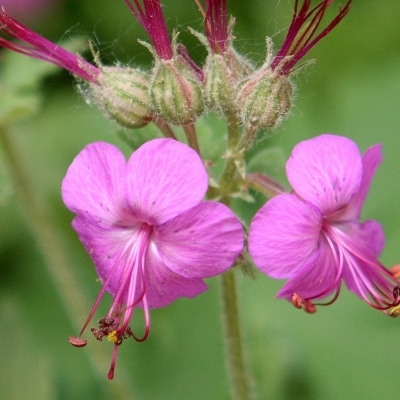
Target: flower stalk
235 359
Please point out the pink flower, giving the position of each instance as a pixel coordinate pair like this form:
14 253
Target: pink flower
314 238
38 47
151 17
301 37
144 224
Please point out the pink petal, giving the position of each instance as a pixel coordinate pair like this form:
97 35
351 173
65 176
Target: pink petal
164 179
106 247
367 236
326 171
164 286
284 236
315 281
94 185
371 160
201 242
365 242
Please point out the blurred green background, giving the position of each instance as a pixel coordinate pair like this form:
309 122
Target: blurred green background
344 351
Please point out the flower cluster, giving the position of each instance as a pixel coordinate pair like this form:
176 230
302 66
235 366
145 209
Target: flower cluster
145 222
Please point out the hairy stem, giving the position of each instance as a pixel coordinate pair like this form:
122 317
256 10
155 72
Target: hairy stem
235 359
55 256
191 136
238 375
163 126
227 181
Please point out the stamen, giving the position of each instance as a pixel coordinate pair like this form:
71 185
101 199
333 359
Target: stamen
110 374
306 304
100 295
376 285
77 342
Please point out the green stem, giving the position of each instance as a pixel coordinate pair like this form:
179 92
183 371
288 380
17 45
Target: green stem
235 359
163 126
191 136
238 376
227 181
55 255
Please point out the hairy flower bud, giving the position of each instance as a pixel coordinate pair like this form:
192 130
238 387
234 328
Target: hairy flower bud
264 98
175 90
123 96
223 72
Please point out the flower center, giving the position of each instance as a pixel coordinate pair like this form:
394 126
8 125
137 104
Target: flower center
130 292
366 276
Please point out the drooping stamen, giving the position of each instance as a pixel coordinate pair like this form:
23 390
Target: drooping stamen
374 283
100 295
43 49
338 262
77 342
304 304
151 17
110 374
139 256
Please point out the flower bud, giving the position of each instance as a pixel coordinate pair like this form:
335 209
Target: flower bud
264 98
123 96
223 72
176 90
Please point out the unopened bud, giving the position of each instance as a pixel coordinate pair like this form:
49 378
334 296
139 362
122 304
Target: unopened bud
123 96
223 73
176 91
264 98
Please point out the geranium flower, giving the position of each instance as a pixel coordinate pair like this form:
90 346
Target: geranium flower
144 224
313 237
